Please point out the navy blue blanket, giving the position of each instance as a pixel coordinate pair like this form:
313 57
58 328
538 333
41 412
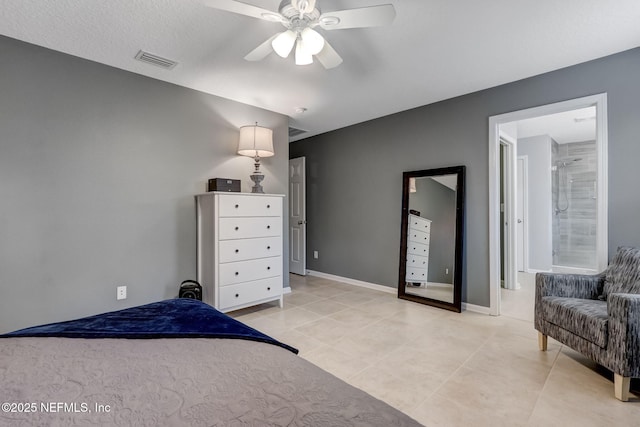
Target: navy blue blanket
174 318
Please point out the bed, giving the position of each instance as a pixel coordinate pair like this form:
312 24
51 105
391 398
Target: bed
174 362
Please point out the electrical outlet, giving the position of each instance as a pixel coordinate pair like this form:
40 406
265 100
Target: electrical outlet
121 292
315 254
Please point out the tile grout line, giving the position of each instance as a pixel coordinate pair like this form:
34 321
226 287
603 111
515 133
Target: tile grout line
546 380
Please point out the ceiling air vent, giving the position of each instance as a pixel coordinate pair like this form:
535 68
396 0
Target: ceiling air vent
293 132
155 60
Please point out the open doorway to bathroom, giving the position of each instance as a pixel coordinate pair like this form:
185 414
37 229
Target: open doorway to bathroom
563 226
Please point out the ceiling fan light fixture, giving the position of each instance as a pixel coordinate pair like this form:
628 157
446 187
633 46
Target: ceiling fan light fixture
303 57
311 41
283 44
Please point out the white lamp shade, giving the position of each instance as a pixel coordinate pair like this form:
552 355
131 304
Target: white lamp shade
255 141
302 56
311 41
283 44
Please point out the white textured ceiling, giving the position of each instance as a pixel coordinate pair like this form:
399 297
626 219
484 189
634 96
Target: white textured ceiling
434 50
570 126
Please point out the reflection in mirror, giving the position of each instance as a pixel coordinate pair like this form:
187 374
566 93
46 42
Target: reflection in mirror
431 251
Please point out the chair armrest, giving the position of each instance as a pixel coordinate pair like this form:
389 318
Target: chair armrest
585 286
624 333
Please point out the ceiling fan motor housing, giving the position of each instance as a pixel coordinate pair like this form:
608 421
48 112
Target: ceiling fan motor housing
296 20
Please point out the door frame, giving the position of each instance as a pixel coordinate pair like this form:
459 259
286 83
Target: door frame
600 102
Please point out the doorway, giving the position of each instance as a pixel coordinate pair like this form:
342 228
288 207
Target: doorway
544 212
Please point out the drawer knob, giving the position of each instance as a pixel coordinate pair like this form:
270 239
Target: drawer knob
268 288
237 295
237 228
268 268
237 273
237 206
237 250
268 227
268 206
268 247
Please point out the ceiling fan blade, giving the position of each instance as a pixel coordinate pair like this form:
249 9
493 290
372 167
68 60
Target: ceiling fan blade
261 51
243 9
373 16
328 57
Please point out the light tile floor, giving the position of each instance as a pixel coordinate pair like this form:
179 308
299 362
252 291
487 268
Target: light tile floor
444 368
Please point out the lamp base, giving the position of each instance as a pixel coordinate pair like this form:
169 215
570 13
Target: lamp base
257 178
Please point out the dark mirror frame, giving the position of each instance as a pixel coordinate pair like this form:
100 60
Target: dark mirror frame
457 273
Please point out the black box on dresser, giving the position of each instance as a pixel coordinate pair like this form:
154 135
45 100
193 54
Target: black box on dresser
224 184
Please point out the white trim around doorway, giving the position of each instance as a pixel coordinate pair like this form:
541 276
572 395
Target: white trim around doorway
600 102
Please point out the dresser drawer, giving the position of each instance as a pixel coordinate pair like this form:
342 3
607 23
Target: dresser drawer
243 228
419 237
244 249
420 224
417 261
237 205
244 293
245 271
414 248
416 274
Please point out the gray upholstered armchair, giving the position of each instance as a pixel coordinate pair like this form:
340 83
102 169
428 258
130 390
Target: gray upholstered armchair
598 316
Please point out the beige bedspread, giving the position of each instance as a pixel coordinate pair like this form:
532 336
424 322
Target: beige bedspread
167 382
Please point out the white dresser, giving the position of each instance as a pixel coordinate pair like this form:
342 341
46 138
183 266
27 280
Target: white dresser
419 232
239 248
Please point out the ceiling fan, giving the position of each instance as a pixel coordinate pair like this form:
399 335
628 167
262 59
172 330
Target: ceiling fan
300 17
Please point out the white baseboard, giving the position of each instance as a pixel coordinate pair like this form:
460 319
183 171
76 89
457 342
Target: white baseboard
476 308
286 290
534 271
465 306
354 282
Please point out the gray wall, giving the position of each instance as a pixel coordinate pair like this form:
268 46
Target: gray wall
98 168
538 152
355 174
437 203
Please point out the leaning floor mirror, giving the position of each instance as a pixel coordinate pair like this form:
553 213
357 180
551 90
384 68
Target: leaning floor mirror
431 237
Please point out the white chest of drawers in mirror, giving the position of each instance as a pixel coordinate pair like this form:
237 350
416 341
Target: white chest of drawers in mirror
239 248
419 234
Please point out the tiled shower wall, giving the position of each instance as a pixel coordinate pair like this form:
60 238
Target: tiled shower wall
574 197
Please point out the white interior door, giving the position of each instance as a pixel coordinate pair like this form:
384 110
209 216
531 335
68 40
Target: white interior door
297 217
510 234
521 213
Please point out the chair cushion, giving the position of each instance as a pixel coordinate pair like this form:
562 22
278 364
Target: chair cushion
623 273
586 318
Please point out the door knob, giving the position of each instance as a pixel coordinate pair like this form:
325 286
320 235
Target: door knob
519 221
302 222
